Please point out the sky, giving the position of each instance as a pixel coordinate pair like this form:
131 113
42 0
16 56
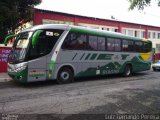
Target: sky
105 9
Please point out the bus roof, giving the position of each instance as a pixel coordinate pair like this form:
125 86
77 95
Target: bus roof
102 32
47 26
82 29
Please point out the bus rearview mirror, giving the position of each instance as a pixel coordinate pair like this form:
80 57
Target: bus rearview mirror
36 36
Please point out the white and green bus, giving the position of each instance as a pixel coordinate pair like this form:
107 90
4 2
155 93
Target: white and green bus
63 52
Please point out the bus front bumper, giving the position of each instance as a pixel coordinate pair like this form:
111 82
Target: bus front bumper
19 74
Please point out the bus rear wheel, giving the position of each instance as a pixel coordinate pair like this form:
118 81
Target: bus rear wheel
127 71
65 75
154 69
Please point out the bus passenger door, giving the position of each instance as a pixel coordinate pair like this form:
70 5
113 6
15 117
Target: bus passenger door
37 56
37 70
43 42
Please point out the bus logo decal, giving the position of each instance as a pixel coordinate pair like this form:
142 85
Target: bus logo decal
48 33
56 34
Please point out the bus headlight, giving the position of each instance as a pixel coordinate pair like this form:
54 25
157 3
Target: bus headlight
21 68
17 67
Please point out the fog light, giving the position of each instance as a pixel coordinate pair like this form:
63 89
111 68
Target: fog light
20 77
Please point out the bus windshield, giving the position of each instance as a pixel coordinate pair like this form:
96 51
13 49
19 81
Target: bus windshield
20 46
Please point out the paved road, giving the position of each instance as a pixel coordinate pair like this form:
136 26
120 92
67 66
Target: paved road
106 95
4 77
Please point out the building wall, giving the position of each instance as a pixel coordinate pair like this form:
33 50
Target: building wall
4 53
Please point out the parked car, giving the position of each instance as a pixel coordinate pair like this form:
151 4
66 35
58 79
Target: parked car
156 66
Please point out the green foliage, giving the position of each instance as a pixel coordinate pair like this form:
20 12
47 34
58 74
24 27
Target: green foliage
12 12
140 4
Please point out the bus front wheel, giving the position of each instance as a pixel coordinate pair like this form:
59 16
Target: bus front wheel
127 71
65 75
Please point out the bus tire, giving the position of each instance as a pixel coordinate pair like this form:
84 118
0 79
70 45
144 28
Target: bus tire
154 69
65 75
127 71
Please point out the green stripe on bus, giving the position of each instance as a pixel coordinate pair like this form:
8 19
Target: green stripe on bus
104 57
93 56
74 56
82 56
87 56
99 33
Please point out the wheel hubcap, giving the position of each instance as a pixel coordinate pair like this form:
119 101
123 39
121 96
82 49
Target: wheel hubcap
128 71
65 75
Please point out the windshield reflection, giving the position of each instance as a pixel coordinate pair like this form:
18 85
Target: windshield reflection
20 46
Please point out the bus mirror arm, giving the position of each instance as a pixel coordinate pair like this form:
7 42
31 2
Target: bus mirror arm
35 37
8 38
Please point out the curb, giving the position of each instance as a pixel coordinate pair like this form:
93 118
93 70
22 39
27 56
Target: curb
5 80
4 77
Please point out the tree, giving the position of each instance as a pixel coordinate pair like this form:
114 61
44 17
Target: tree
140 4
13 13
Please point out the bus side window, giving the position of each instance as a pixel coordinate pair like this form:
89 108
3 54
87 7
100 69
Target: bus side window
101 43
40 48
81 42
66 42
117 43
92 42
75 41
147 46
45 43
113 44
127 46
131 46
110 44
138 46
